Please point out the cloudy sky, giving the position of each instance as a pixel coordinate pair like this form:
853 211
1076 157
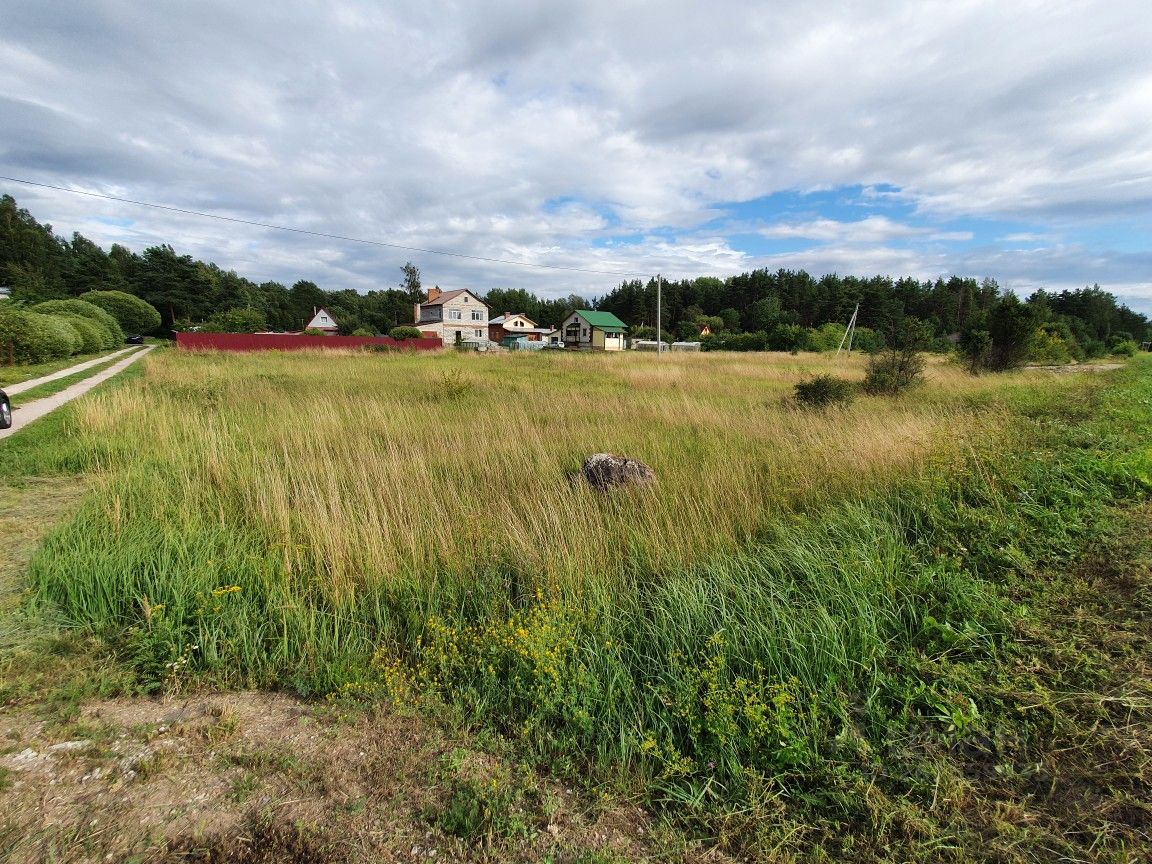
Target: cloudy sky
1008 139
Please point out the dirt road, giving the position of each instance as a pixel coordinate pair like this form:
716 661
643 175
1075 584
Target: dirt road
24 414
13 389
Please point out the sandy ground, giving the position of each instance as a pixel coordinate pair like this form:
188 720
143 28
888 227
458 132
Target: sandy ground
25 414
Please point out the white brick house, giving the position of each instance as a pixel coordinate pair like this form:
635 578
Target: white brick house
446 313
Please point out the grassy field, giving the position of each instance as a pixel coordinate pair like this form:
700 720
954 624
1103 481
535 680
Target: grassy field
795 640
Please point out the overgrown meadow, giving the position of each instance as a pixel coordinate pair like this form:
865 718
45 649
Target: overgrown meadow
798 592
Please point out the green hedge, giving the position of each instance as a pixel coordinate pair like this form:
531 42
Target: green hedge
92 335
113 336
32 338
131 313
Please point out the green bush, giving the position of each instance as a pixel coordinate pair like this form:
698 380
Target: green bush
91 334
65 333
131 313
824 391
31 338
867 340
237 321
1125 348
1054 344
975 346
405 332
892 372
826 337
900 365
787 337
113 335
362 331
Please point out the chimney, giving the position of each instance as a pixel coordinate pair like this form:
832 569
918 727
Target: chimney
415 313
507 315
433 293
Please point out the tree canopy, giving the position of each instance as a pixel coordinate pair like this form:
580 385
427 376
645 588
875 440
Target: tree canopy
776 309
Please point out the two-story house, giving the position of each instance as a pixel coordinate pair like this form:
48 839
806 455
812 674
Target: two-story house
447 313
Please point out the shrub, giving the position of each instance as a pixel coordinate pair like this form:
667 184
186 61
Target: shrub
899 366
91 334
867 340
237 321
27 337
825 390
362 331
1125 348
405 332
746 342
974 346
1012 325
113 335
314 331
826 337
1049 347
65 334
892 372
787 337
131 313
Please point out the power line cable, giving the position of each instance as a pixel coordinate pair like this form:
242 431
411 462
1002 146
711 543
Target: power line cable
323 234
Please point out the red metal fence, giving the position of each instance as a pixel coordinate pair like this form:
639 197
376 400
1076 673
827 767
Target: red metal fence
294 342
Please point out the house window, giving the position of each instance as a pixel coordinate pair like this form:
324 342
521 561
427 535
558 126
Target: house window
519 323
584 332
477 315
479 334
455 314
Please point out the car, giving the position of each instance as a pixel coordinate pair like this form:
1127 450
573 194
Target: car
5 411
134 339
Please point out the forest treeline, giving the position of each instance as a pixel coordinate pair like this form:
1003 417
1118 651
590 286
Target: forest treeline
781 310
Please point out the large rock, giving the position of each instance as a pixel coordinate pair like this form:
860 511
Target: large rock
604 471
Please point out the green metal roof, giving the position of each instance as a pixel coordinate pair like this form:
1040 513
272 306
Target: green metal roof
603 320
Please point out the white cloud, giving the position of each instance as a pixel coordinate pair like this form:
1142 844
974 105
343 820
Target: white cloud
872 229
452 127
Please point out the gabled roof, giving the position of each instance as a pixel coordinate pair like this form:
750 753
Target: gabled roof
602 320
503 318
450 295
315 323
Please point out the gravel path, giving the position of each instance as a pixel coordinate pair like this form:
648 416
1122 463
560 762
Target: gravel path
13 389
25 414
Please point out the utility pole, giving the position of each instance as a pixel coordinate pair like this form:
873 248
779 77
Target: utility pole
850 332
659 341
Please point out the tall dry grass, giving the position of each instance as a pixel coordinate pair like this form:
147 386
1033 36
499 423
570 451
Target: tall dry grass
360 470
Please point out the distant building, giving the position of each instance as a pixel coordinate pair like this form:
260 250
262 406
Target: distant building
596 331
321 320
5 292
447 313
515 324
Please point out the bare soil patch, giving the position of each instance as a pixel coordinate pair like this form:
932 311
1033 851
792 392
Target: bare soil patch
259 777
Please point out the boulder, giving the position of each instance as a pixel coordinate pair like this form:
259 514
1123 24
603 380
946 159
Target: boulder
604 471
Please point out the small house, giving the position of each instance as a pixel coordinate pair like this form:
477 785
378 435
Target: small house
515 324
593 331
321 320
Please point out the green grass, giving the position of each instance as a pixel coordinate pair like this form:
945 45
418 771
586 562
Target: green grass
820 625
